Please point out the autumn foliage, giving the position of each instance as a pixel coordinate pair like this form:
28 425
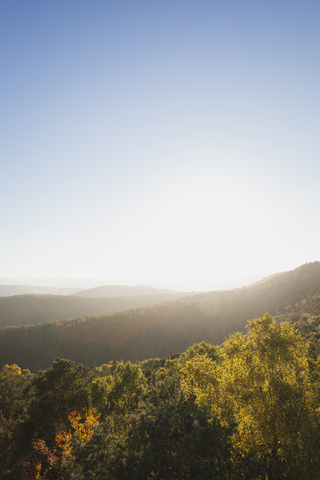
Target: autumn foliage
46 460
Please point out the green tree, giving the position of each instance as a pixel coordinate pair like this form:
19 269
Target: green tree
15 397
118 392
13 383
263 386
166 438
57 391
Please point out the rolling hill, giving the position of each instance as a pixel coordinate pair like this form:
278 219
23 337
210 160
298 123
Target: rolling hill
157 330
34 309
123 291
10 290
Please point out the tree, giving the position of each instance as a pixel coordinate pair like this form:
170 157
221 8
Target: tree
57 391
15 397
262 385
49 463
166 438
119 392
13 382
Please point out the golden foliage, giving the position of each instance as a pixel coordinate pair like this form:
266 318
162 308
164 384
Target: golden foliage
261 385
84 430
49 460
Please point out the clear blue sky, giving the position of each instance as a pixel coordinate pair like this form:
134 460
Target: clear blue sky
159 139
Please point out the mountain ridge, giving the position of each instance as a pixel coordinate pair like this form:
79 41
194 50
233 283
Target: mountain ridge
155 331
124 291
34 309
12 290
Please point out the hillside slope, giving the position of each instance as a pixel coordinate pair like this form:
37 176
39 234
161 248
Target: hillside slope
158 330
33 309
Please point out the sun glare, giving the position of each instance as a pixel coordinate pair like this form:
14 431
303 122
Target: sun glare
198 230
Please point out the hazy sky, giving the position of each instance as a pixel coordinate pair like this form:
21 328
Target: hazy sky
159 139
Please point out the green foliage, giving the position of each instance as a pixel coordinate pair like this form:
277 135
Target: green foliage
201 348
120 391
262 385
57 391
167 438
13 383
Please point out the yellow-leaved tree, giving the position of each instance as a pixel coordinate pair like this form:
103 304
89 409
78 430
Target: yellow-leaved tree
262 387
47 461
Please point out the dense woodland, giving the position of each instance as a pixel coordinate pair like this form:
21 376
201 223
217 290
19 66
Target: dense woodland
247 410
227 405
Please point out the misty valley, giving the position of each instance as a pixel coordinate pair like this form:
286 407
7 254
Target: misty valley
142 383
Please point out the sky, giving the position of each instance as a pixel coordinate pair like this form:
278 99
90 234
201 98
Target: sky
159 140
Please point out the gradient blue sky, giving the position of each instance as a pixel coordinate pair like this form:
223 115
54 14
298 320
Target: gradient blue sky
159 139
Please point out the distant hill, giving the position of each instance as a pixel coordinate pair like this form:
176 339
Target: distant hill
157 330
10 290
123 291
33 309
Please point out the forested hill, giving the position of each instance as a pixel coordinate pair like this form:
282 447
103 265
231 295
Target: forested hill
33 309
156 331
290 287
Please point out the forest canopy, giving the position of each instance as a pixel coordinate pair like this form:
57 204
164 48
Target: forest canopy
249 409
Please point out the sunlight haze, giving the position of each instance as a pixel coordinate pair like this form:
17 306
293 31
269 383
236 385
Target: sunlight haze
163 142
